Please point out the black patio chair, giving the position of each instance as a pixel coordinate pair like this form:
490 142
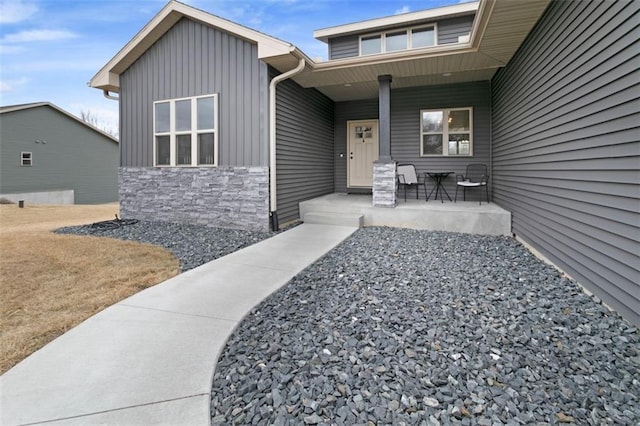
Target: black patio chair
476 176
407 177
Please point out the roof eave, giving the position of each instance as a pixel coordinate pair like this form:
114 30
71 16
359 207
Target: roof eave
108 78
377 24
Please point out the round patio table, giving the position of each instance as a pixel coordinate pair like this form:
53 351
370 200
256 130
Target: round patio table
438 177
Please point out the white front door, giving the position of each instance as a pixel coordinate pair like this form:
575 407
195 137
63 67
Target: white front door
362 142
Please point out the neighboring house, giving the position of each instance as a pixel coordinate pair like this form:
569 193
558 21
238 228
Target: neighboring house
225 125
49 156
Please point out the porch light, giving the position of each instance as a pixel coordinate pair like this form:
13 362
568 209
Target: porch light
446 74
347 85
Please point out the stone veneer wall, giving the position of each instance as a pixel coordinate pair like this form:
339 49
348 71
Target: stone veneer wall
384 184
227 197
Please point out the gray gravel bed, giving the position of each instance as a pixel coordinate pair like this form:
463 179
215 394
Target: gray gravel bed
398 326
193 245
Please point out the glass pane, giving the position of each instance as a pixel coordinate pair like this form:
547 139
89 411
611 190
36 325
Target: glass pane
369 45
205 148
459 121
162 117
205 113
453 147
432 121
163 151
359 132
432 144
183 115
422 38
184 149
396 41
459 144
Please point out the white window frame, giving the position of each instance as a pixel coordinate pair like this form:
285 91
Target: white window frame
407 31
445 132
24 157
194 132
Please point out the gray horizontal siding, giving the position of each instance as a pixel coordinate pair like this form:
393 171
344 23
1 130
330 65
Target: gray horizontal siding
450 29
344 47
448 32
304 150
345 111
566 114
405 126
193 59
74 157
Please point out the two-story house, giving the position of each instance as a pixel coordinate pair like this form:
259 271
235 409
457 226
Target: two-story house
224 125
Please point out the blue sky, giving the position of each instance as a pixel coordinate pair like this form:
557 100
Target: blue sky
50 49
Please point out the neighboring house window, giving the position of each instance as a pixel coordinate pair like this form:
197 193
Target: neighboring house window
393 41
26 159
446 132
186 131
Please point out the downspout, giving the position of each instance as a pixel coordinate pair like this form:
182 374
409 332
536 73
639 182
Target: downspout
108 96
272 140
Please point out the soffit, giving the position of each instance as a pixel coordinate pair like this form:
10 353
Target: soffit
509 24
499 29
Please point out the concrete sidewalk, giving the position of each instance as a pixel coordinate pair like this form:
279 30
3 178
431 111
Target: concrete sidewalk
150 358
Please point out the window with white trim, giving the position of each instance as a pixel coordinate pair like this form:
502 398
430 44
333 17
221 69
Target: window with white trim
26 159
396 40
446 132
186 131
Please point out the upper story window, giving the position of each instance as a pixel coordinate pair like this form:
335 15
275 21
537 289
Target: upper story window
446 132
395 40
186 131
26 159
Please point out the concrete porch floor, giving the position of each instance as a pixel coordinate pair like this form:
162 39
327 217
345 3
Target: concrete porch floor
465 217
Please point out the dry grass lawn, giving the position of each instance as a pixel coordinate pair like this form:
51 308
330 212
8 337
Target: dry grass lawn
50 283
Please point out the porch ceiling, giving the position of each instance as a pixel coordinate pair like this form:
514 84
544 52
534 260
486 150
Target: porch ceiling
499 29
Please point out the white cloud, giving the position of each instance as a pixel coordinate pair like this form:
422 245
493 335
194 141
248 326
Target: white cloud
12 11
38 35
12 85
404 9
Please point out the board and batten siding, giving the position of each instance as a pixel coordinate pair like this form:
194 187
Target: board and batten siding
74 157
304 147
448 31
405 128
194 59
566 150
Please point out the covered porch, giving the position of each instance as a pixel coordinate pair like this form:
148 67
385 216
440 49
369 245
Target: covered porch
356 209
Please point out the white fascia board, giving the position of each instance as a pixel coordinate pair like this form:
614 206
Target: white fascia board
395 20
108 77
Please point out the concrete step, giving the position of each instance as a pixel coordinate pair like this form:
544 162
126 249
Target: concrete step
331 218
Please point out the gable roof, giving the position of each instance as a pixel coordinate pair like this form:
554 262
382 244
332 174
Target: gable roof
108 78
22 107
499 27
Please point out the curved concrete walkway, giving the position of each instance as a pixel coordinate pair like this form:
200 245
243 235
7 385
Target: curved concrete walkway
150 358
